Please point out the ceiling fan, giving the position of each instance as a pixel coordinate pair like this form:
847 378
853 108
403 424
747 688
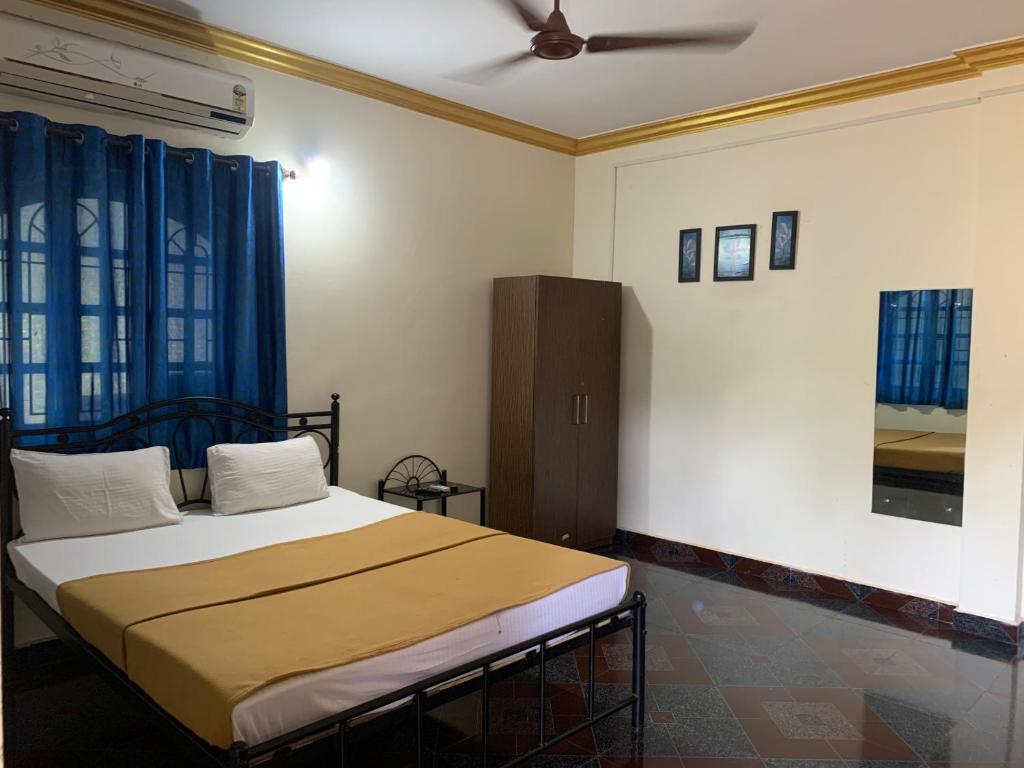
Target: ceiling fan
555 40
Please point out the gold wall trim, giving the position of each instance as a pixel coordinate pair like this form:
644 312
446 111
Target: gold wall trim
963 64
223 42
994 55
966 63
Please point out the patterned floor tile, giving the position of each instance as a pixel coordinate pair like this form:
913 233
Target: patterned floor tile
884 661
616 739
849 702
727 616
794 663
877 742
748 702
810 720
730 661
620 657
938 740
710 737
690 701
906 704
769 741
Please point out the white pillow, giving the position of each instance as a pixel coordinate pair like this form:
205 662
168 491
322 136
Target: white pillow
61 496
247 477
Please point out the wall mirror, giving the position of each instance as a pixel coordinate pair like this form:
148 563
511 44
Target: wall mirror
924 346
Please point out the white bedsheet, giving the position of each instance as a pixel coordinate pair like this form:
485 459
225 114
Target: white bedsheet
287 705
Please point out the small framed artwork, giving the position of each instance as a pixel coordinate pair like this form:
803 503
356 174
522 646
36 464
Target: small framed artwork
783 240
734 252
689 255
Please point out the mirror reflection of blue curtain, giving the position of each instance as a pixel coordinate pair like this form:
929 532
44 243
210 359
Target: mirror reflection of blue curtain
924 347
132 275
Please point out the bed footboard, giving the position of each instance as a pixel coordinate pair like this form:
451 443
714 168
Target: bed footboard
416 700
480 675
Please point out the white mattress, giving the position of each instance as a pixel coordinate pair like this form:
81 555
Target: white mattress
284 706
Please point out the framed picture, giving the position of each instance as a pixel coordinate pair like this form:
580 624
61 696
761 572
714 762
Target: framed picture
734 252
689 255
783 240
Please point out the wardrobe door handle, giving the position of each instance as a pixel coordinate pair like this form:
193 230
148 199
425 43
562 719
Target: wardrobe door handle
586 409
575 409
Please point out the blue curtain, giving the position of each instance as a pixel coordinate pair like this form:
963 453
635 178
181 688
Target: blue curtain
134 273
924 347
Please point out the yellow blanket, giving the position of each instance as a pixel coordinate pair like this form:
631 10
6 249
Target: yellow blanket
923 451
200 638
101 607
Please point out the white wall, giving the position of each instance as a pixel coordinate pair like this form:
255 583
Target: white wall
748 408
931 418
389 265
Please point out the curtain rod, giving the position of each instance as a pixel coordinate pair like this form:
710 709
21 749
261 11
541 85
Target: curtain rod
112 141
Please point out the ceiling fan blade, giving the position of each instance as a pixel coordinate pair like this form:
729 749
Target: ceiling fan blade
485 72
529 18
728 38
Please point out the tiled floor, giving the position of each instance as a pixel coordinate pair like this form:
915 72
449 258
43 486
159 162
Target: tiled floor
740 675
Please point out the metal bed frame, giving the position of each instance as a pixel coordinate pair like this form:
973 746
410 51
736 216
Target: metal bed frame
135 430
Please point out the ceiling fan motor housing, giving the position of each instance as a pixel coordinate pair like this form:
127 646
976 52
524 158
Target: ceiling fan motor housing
556 44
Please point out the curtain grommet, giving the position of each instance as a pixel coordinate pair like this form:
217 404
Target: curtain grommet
14 126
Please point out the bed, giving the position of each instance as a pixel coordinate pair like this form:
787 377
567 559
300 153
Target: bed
328 702
920 459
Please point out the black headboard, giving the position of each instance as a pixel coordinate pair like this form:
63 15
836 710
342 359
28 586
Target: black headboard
135 430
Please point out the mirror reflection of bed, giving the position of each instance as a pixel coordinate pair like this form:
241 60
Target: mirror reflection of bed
924 339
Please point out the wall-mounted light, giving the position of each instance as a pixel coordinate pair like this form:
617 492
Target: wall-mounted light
312 181
318 167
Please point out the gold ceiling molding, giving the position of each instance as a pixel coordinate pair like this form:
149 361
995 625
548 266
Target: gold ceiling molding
223 42
966 63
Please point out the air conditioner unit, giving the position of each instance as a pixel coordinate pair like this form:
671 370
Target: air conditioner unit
45 62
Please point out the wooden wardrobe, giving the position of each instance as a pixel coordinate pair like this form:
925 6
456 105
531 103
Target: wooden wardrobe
555 409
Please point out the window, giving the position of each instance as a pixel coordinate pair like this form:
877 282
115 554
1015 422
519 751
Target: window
190 306
33 268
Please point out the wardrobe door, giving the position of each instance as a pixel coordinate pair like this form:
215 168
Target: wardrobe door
556 406
510 491
597 480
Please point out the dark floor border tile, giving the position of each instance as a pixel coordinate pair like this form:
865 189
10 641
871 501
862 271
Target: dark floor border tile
652 549
990 629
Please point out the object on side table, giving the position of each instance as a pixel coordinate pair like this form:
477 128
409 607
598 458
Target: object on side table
418 478
555 409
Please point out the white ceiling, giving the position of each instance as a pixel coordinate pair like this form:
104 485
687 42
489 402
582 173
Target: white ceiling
798 43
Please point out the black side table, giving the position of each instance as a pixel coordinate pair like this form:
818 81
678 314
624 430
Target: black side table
407 478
